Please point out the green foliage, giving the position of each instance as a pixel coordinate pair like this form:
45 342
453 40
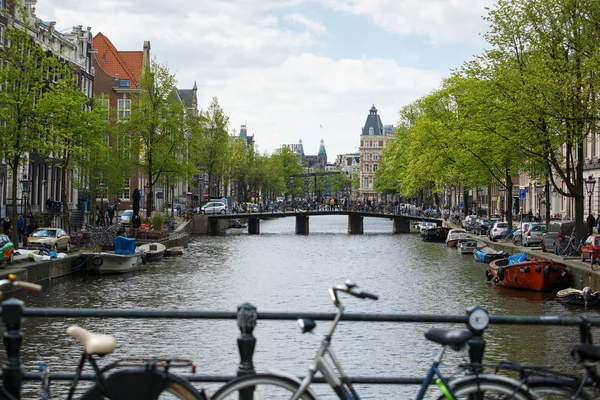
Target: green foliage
157 221
157 126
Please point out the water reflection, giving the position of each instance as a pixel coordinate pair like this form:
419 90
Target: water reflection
280 271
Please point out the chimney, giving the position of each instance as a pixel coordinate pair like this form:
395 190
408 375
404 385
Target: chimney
146 59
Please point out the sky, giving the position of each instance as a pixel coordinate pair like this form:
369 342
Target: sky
293 69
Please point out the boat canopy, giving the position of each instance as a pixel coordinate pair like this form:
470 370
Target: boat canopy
124 245
517 258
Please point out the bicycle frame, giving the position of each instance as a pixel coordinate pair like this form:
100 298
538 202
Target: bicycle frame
341 384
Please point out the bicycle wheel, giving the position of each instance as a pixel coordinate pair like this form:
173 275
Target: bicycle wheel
551 389
139 384
266 386
89 244
482 388
564 250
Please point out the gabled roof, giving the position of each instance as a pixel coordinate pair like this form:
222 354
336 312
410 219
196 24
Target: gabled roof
125 64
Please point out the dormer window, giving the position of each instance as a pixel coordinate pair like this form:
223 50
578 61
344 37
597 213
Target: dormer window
371 131
124 83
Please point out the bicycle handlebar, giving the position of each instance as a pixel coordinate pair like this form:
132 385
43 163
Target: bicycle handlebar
12 281
348 287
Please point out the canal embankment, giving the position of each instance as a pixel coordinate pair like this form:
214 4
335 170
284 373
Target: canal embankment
42 271
580 273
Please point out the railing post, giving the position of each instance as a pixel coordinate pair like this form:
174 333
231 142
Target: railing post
246 320
12 312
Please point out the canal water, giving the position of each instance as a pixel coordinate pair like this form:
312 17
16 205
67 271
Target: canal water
280 271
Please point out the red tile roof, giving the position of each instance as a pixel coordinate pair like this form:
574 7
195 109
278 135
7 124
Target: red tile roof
125 64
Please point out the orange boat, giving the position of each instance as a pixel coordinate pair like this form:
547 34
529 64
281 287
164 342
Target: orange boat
517 272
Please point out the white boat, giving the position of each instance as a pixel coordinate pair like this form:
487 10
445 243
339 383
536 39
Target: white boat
153 251
468 246
425 225
125 258
454 235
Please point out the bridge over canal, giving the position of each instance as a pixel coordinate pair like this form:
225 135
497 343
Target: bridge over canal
355 220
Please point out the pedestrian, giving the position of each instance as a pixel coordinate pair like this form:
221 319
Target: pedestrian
111 214
21 227
6 224
591 223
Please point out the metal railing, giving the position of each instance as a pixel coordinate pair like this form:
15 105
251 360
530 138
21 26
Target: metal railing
13 311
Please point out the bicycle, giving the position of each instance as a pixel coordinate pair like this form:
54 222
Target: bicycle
566 249
131 378
545 383
276 386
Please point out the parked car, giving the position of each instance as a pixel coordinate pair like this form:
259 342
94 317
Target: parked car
498 230
125 218
214 207
534 234
591 247
7 248
555 234
54 238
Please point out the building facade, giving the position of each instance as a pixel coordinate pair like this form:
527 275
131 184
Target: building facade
40 178
373 139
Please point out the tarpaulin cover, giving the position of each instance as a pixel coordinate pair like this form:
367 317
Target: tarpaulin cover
124 245
517 258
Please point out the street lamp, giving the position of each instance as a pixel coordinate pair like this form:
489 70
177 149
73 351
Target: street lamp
101 221
590 182
25 187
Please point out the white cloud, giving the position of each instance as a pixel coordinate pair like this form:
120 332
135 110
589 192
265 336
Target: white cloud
440 21
266 61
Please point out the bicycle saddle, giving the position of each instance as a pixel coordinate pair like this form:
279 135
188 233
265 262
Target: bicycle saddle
93 343
448 337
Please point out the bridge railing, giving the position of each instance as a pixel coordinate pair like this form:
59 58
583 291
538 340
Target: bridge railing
13 311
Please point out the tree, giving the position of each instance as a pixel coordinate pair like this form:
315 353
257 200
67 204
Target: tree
24 73
71 127
212 146
550 50
157 126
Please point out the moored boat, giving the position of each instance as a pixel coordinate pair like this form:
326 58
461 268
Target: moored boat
583 297
123 259
487 254
454 235
468 246
434 234
539 274
153 251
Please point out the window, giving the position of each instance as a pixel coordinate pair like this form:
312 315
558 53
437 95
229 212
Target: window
1 35
381 143
124 83
375 166
124 194
124 108
366 168
371 131
375 157
370 143
367 156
